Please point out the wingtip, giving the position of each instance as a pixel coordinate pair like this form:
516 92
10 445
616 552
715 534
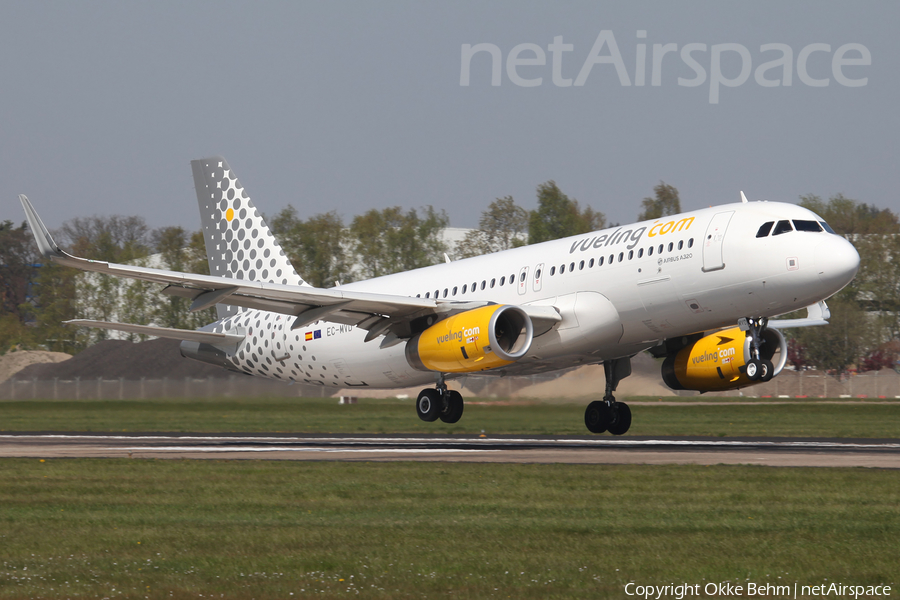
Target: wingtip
41 235
743 197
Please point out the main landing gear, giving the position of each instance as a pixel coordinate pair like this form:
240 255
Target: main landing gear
608 414
757 368
441 403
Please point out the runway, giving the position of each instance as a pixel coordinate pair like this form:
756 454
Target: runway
834 452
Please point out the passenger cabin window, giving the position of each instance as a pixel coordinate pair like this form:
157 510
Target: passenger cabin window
782 227
590 263
581 265
680 244
764 229
502 280
691 243
493 281
562 269
454 290
640 252
427 294
483 283
812 226
650 251
552 271
600 262
522 276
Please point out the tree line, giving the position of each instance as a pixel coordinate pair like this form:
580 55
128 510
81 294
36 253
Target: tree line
36 297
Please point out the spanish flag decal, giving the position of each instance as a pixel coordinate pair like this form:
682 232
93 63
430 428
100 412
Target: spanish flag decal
309 336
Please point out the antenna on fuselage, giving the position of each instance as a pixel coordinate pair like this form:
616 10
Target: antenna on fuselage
743 197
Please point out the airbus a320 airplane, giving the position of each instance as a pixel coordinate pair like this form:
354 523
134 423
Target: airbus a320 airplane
696 288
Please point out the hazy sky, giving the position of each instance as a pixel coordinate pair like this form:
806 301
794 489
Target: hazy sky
359 105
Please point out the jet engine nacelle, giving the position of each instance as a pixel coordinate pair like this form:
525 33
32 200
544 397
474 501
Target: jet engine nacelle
474 340
717 362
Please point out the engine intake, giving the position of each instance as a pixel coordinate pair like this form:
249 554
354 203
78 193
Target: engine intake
474 340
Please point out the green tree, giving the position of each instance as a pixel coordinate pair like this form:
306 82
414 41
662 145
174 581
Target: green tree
558 216
841 343
849 217
502 226
665 202
54 292
866 313
388 241
18 266
317 247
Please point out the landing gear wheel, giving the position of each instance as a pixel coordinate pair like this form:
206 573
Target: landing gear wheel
754 369
596 416
428 405
768 371
454 407
620 418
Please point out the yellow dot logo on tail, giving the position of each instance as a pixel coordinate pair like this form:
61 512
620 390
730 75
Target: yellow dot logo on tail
229 214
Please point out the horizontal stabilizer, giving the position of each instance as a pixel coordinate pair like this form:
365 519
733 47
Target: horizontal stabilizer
204 337
816 314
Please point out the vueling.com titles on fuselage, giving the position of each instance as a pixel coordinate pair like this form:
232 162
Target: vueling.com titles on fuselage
622 236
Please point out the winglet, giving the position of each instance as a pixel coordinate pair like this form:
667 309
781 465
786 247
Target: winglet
743 197
43 238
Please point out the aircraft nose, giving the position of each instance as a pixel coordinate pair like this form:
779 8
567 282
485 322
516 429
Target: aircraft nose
837 262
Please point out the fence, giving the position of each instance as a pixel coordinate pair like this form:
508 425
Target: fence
121 389
794 384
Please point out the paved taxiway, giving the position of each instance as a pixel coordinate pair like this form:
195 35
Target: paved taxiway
833 452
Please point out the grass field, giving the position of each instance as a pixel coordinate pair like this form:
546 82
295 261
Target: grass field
306 415
267 529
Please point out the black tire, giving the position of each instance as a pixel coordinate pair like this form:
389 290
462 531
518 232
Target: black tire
754 369
596 416
768 371
620 420
454 408
429 404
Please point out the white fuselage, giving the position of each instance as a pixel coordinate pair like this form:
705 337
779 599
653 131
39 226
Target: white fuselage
619 291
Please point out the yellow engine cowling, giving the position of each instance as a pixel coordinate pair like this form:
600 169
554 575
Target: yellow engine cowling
474 340
717 362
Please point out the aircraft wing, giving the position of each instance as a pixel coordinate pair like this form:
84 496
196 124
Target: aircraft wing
377 313
816 314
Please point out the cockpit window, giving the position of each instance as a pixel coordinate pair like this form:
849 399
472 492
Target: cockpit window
782 227
807 226
764 229
826 227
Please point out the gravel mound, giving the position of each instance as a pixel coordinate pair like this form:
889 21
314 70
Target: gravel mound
121 359
13 362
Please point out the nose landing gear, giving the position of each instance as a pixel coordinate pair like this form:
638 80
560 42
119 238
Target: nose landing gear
608 414
757 368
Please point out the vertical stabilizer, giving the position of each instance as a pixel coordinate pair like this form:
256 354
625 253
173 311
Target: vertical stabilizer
239 244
